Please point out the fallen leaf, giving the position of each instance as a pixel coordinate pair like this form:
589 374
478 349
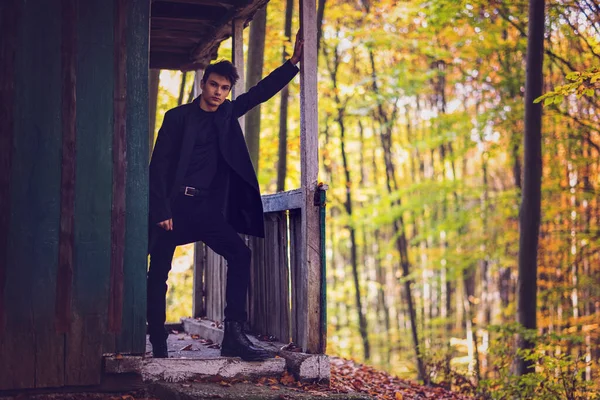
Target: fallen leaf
399 396
186 347
119 356
287 379
224 383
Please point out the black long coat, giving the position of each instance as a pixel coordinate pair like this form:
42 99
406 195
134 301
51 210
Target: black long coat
243 205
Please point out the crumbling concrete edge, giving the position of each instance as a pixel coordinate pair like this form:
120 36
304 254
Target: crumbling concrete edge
303 366
179 370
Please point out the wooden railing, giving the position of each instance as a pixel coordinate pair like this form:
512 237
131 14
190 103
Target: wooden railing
279 290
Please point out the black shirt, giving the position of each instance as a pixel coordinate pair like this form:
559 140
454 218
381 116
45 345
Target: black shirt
204 161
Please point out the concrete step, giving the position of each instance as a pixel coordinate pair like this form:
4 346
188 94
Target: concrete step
305 367
185 369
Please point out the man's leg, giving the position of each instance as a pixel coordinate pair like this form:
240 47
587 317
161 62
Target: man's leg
225 241
161 258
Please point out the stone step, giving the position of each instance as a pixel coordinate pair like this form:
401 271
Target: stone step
185 369
305 367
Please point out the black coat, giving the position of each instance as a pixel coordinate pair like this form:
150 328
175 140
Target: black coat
173 149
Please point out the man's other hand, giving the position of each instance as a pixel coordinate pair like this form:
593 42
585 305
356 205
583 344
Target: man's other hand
297 49
167 225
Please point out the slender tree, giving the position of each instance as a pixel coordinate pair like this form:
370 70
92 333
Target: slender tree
256 52
283 104
529 220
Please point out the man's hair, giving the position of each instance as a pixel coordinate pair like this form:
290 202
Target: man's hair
224 68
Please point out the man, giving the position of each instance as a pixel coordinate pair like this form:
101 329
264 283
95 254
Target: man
203 188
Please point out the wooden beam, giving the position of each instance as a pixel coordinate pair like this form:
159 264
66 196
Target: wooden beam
219 3
310 273
186 11
64 281
174 61
8 44
153 83
199 288
223 28
283 201
238 61
115 300
167 25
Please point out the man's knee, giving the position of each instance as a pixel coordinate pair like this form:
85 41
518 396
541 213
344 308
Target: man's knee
243 254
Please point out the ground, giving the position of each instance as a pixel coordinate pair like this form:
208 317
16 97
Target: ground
349 381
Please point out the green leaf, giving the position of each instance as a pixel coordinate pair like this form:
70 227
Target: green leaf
549 100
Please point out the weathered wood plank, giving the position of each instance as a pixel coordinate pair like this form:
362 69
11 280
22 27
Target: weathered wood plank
271 274
133 333
298 306
282 201
119 170
310 264
215 285
9 22
93 192
284 281
10 13
31 354
199 291
237 40
222 29
64 282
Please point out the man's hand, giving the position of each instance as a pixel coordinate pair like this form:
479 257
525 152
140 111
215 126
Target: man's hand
167 225
297 49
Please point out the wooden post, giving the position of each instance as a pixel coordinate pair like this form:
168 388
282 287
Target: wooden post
197 79
153 82
238 61
309 272
199 290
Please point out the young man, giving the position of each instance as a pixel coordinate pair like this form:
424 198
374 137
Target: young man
203 188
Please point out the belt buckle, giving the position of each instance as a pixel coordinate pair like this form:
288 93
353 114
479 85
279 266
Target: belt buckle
185 191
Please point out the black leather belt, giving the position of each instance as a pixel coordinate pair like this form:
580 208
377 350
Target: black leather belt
193 192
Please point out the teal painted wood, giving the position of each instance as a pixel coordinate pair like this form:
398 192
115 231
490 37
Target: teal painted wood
32 351
8 31
323 233
133 334
93 192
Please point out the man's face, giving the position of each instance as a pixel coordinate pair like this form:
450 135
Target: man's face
215 90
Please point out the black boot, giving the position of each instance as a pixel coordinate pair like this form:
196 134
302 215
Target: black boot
236 344
159 349
158 339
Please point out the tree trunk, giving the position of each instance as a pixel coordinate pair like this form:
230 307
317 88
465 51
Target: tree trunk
256 52
529 219
320 15
386 124
283 105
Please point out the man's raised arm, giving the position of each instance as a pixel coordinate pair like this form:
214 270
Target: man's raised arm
270 85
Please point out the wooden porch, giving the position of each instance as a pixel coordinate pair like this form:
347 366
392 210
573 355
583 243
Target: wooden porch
73 188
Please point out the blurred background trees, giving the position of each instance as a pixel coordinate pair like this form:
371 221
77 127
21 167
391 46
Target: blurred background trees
422 121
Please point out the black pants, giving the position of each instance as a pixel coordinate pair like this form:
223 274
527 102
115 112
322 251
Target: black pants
195 219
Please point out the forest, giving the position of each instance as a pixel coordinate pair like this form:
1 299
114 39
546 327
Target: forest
460 141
